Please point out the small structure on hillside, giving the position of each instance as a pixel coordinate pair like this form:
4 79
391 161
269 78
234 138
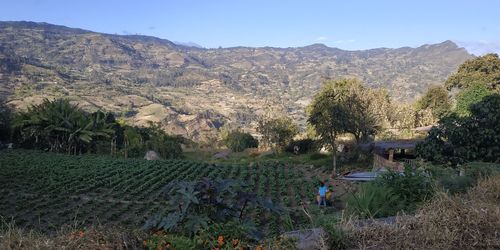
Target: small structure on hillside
151 156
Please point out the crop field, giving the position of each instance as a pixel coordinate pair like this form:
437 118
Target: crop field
45 191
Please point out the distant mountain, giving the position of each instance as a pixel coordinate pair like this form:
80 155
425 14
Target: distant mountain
195 90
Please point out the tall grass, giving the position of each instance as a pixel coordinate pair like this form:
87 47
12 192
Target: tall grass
464 221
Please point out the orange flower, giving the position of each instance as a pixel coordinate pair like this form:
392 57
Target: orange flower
235 242
220 239
258 248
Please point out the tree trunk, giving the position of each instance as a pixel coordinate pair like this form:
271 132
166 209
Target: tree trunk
126 147
334 158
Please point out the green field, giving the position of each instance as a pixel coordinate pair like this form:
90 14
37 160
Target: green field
45 191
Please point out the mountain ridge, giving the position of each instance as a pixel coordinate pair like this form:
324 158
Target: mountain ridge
193 91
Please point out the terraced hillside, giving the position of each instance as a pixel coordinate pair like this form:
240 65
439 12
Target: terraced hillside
193 91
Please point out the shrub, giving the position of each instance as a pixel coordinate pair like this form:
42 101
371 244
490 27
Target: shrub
390 193
449 180
305 146
456 184
411 187
238 141
317 156
192 206
337 237
373 201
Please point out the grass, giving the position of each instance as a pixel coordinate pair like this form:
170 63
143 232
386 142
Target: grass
70 237
315 159
465 221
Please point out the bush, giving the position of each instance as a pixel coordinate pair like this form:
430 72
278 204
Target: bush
317 156
305 146
411 187
391 193
337 237
238 141
449 180
195 206
373 201
457 139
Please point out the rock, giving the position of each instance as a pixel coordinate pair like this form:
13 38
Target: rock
151 156
309 239
222 155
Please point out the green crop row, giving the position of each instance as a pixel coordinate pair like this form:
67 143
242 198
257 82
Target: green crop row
48 190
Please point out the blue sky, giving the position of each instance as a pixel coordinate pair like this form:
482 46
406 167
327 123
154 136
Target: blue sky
351 25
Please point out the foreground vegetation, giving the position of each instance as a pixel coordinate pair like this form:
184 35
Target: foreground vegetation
45 190
466 221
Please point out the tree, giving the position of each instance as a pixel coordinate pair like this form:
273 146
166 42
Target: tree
136 140
238 141
459 139
329 115
402 116
346 106
469 96
277 132
157 139
436 100
365 106
483 70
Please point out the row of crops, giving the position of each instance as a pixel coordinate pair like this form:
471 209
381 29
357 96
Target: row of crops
45 191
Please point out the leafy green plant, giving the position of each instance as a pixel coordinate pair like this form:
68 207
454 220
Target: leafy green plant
194 205
373 201
390 193
411 187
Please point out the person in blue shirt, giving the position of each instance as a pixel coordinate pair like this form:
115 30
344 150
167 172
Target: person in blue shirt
322 193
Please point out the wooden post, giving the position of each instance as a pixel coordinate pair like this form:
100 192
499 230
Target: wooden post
391 155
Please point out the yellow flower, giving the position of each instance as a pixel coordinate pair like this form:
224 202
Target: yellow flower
220 239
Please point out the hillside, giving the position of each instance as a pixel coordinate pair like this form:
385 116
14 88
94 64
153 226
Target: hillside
193 90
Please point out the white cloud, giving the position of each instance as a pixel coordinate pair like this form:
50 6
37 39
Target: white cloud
321 38
344 41
480 47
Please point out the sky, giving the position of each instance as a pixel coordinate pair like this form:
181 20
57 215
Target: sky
346 24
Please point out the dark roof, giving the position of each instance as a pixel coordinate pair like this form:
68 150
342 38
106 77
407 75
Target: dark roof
396 144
